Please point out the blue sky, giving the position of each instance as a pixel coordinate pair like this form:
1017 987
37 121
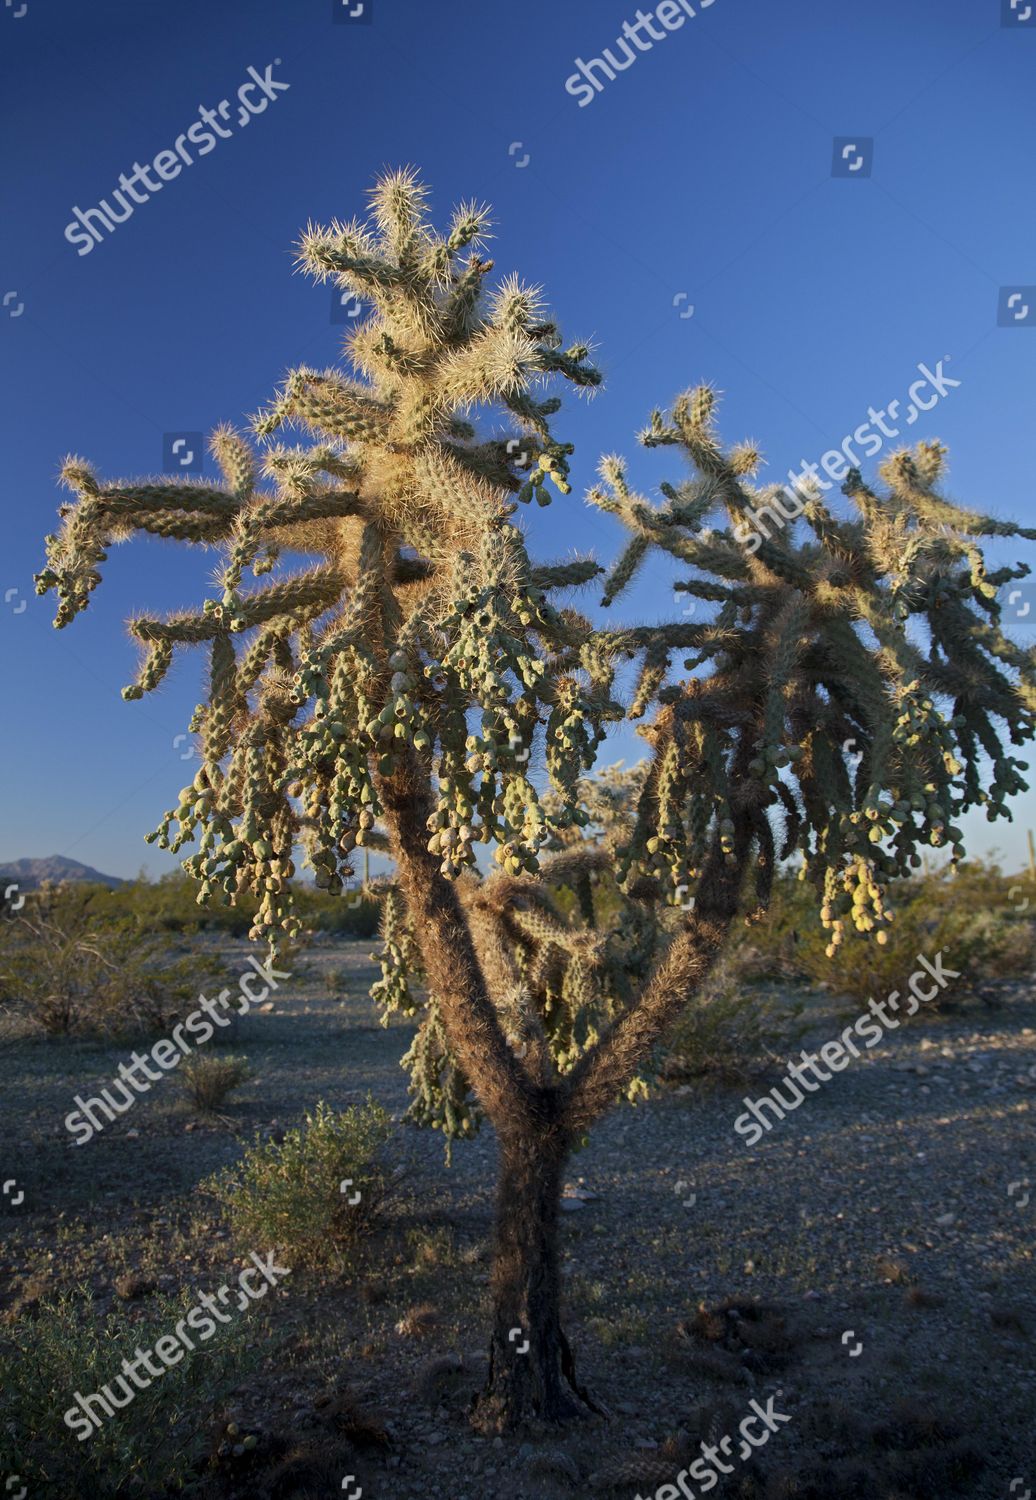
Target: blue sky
699 178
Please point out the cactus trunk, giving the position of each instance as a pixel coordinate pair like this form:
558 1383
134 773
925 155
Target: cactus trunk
531 1370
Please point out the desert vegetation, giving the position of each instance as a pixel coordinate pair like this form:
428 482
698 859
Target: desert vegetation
567 951
369 1355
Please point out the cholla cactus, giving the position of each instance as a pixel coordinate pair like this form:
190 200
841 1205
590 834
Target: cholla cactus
830 663
398 693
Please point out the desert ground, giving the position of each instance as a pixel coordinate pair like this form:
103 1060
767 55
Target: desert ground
868 1265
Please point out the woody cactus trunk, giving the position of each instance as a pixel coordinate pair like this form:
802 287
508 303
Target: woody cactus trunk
419 686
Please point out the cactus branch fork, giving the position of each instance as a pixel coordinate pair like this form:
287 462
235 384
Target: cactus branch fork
845 693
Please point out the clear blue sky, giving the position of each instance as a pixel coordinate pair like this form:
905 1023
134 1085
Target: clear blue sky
704 169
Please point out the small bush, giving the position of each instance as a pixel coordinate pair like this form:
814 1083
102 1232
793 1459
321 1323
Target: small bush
207 1081
70 960
171 903
966 915
432 1248
289 1194
336 979
970 916
348 915
732 1031
151 1445
85 958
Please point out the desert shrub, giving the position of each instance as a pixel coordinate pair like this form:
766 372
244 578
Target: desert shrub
336 979
732 1031
289 1193
350 915
966 916
432 1246
171 905
970 916
151 1445
208 1081
71 961
85 958
773 950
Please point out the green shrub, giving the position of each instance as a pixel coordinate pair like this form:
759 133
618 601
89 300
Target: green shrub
289 1194
732 1031
970 916
967 917
336 980
207 1081
171 905
347 916
86 958
150 1446
71 960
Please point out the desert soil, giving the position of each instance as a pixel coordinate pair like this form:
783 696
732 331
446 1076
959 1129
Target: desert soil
872 1260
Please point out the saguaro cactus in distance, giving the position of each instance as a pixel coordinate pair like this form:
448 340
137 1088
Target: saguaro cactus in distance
849 695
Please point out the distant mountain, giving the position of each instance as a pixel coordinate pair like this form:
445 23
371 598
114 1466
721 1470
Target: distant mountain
27 874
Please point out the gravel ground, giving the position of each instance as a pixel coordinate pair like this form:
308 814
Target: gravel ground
870 1260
